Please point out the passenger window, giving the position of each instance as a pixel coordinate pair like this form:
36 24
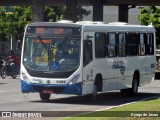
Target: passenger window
150 44
122 44
100 45
132 43
141 47
111 45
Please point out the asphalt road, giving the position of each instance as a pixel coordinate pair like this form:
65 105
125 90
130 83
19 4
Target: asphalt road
11 99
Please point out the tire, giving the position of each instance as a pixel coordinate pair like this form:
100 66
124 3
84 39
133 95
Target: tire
3 72
133 90
44 96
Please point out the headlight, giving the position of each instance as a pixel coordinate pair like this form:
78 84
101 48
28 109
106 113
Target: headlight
25 77
74 79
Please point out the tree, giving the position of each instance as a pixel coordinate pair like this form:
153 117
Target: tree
56 13
53 14
151 16
14 24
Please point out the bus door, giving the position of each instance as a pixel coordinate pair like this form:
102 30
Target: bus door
88 80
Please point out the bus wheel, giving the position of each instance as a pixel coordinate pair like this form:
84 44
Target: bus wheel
44 96
134 89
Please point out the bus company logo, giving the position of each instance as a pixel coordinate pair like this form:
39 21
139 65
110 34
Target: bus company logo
119 65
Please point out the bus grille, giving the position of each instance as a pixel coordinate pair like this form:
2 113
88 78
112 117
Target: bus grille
44 74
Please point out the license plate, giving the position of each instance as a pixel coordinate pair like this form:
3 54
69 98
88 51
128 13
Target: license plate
48 91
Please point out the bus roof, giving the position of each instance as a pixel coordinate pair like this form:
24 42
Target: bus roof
54 24
92 26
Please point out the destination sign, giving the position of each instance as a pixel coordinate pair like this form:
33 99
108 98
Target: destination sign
53 30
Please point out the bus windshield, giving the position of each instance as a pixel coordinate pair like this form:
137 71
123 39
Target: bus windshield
57 53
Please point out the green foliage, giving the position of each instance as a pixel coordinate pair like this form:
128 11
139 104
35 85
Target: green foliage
53 14
14 24
151 15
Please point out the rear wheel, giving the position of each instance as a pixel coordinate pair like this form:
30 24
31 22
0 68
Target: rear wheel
133 90
44 96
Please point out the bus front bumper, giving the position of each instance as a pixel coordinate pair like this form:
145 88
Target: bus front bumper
52 88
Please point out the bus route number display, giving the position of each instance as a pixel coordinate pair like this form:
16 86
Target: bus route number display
55 31
52 30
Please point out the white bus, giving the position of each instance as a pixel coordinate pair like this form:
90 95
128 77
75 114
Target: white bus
85 58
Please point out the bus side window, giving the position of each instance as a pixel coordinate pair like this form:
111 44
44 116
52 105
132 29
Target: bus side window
141 47
87 52
121 44
132 43
111 45
100 45
150 44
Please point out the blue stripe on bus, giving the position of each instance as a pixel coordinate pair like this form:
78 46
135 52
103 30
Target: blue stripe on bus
67 89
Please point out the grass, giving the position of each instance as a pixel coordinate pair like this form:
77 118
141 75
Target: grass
136 111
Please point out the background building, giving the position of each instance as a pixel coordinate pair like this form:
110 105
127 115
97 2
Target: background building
110 14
